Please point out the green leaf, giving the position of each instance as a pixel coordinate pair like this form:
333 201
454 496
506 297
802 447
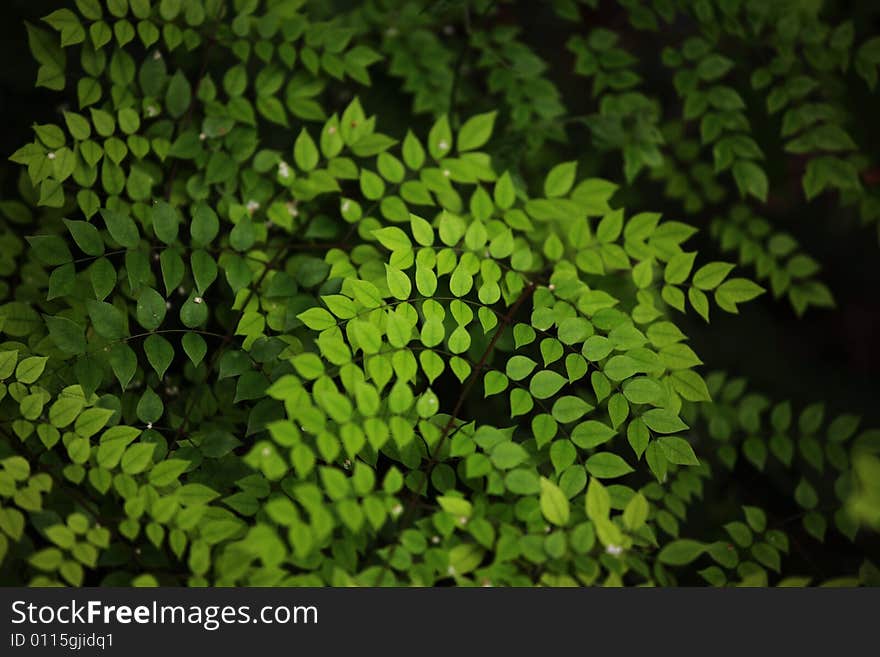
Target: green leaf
393 239
67 335
137 458
606 465
413 153
690 385
440 139
50 249
422 231
476 131
598 501
398 283
681 552
30 369
560 179
194 347
710 276
305 153
68 24
662 420
507 455
107 320
591 433
317 319
167 472
178 96
86 236
678 267
159 353
734 291
121 227
678 450
750 179
636 512
151 309
165 221
554 503
546 383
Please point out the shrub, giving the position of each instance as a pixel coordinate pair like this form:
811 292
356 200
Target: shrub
255 334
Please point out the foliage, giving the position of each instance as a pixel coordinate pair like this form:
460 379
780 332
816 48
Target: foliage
254 334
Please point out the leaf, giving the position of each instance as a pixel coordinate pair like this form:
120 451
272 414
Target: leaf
507 455
591 433
681 552
317 319
165 221
393 239
305 153
560 179
750 179
178 96
194 347
678 450
67 335
546 383
734 291
137 458
690 385
150 311
167 472
91 421
475 132
422 231
606 465
107 320
710 276
678 267
636 512
398 283
554 504
86 236
440 139
68 24
30 369
598 501
662 420
121 228
159 353
50 249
